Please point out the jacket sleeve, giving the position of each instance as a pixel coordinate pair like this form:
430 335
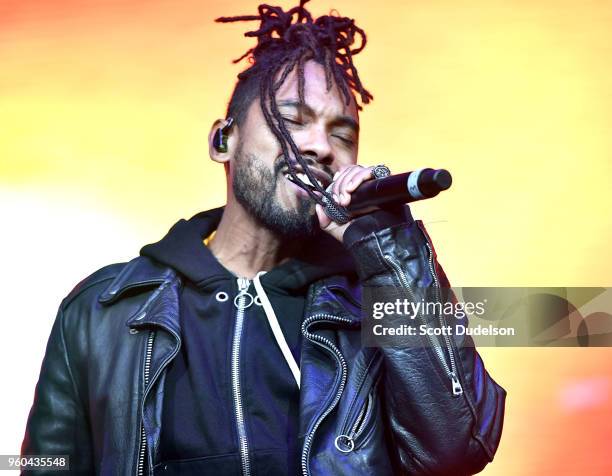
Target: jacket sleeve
437 427
57 423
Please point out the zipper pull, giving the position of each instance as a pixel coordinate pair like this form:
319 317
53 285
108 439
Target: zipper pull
457 388
243 299
243 284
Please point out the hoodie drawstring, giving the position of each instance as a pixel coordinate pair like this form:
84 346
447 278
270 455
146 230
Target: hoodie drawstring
276 329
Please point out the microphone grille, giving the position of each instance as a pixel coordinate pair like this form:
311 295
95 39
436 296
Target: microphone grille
443 179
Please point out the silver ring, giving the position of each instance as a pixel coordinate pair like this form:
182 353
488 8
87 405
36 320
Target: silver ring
380 171
243 304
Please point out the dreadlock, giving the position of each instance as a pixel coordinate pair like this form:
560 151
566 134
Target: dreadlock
285 41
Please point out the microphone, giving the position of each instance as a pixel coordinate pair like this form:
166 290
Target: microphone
401 188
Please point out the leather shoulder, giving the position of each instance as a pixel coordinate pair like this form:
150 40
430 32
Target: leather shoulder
101 277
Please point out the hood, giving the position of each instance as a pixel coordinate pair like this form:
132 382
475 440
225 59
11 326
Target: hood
183 249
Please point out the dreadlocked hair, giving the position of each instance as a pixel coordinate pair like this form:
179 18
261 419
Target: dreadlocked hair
285 41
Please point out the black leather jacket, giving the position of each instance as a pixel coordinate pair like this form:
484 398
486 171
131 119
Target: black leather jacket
368 411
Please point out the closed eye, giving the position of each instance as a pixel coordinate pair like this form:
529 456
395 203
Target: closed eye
346 140
292 121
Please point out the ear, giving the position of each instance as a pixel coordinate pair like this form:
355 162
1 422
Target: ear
221 125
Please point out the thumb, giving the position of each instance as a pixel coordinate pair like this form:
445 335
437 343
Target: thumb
324 220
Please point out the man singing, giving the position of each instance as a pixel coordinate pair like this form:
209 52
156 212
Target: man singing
233 345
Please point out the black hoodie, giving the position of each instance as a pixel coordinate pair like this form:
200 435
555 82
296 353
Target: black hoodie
199 420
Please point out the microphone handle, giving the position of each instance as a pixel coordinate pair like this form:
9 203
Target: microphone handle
401 188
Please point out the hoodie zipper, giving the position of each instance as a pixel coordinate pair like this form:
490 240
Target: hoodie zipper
143 436
242 301
451 370
328 345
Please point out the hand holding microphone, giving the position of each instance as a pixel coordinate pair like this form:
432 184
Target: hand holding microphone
357 189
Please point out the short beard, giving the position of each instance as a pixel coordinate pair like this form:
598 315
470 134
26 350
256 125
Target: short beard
254 186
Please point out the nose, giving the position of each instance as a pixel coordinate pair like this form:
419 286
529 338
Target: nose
314 143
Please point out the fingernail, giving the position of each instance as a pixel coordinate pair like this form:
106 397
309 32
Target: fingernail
335 197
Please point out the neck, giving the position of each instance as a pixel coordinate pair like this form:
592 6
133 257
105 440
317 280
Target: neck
244 246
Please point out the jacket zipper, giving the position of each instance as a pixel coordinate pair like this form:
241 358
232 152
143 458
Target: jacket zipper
451 370
242 300
345 442
362 417
457 388
328 345
143 436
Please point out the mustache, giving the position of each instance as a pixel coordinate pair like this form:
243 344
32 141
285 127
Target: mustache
310 162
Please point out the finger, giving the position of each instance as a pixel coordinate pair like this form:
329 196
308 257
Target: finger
337 181
340 182
324 220
358 178
350 182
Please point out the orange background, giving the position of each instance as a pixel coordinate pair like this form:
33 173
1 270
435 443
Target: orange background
104 111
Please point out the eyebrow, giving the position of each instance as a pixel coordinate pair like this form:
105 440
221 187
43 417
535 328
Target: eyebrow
343 120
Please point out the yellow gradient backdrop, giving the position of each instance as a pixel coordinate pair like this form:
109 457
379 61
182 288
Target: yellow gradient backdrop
105 108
